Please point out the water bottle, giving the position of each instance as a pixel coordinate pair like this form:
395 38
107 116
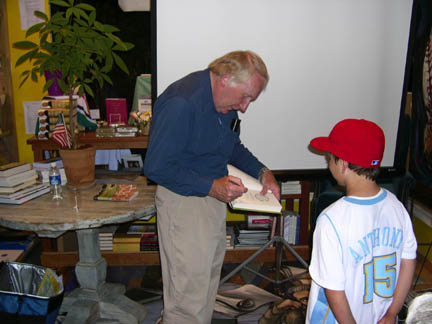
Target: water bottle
55 182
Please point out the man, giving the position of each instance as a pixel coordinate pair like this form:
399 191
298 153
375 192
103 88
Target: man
194 135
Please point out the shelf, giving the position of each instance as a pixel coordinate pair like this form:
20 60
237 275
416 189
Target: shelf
59 260
100 143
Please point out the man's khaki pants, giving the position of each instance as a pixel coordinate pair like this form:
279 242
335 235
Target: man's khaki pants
192 240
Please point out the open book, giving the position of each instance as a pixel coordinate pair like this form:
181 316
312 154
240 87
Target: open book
117 192
252 199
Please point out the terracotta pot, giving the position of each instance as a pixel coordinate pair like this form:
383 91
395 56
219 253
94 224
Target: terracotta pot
79 166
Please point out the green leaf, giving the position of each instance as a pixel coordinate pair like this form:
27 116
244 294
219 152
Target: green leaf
60 3
24 45
88 89
44 39
34 76
107 78
92 18
37 62
23 58
23 81
99 26
70 12
34 29
120 63
81 22
63 85
47 85
42 55
25 73
108 64
41 15
82 13
86 6
124 47
110 29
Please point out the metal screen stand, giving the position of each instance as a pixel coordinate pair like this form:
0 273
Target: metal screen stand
280 243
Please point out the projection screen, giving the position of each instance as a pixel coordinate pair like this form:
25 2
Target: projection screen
328 60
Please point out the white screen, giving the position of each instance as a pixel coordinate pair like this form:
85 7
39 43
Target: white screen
328 60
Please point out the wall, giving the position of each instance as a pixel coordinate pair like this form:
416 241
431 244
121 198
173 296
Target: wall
30 91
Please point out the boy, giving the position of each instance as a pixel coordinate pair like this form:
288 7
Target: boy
364 248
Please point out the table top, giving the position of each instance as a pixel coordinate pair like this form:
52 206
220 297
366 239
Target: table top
77 210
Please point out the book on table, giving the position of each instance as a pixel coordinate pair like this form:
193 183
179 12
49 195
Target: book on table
20 197
13 168
117 192
18 178
46 164
18 187
252 200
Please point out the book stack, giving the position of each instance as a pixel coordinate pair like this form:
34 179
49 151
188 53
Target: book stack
43 168
257 221
18 184
105 132
138 228
106 235
230 236
246 238
290 188
123 242
149 241
106 241
115 130
126 131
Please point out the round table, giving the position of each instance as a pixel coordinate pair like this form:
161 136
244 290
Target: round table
78 211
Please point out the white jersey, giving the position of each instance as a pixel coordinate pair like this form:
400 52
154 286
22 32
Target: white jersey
358 244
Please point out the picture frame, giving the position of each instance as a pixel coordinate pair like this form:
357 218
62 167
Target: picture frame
133 162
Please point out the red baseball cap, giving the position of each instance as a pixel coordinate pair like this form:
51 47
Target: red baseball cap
358 141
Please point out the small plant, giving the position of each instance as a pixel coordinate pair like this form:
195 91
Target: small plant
75 44
142 121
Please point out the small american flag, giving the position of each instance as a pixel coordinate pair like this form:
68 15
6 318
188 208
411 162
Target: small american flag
61 134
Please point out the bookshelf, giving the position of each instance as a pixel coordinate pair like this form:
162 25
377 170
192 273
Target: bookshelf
61 260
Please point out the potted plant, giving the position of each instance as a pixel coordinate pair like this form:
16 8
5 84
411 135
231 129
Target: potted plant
73 44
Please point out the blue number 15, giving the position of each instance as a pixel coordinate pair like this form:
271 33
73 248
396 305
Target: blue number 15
380 277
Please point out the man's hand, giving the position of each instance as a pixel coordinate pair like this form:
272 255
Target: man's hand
269 183
227 189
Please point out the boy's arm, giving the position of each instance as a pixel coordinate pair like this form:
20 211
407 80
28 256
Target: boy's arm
339 306
402 288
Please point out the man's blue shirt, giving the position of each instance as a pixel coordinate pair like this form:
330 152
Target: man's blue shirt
190 142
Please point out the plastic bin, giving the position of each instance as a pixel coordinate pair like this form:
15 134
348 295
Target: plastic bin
29 294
